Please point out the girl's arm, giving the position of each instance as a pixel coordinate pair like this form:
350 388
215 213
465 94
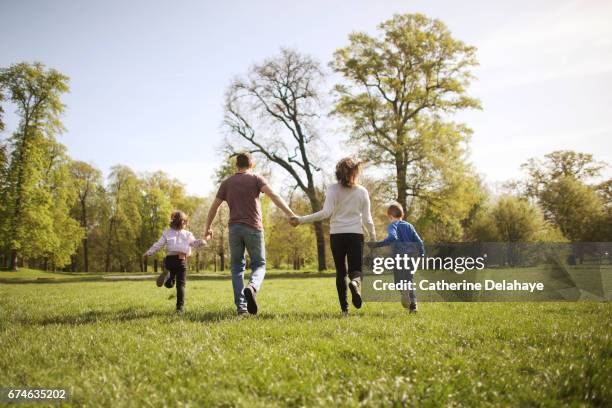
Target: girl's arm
326 212
196 243
157 246
366 217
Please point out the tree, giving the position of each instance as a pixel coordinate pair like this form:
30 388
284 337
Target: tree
397 85
26 221
67 232
512 219
574 207
155 209
559 164
124 218
87 181
273 113
295 247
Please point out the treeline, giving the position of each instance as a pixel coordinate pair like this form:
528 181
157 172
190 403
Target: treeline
396 97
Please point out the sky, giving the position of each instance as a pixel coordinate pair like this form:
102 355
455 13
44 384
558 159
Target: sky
147 78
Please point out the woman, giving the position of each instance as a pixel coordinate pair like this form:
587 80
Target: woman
348 205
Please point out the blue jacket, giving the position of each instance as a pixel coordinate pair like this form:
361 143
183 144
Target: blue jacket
402 232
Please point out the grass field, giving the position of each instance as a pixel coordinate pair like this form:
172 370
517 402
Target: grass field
118 343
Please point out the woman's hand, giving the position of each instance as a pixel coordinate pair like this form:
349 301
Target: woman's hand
294 221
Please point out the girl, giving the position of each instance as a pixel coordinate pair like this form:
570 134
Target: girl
348 205
178 242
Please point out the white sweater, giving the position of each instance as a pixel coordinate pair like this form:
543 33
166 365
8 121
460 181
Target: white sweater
348 208
176 241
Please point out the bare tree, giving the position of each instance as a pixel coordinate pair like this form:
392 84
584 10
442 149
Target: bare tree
273 112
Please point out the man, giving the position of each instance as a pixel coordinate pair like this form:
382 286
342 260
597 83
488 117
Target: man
241 192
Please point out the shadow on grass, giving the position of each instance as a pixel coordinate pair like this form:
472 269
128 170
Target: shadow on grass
204 316
136 278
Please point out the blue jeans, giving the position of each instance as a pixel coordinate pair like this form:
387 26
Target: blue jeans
408 296
243 237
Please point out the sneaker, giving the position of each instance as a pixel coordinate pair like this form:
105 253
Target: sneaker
355 287
345 313
180 310
413 308
250 294
169 283
242 312
162 278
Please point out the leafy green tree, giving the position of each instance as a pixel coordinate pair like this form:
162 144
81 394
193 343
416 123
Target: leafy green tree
124 219
67 232
512 219
155 209
273 113
574 207
87 181
290 247
396 86
27 222
559 164
1 110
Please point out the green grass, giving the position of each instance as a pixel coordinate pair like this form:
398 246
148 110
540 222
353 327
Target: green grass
118 343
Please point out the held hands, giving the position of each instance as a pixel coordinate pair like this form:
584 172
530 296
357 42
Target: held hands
209 235
294 221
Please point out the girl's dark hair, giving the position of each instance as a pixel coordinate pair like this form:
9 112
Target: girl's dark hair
178 220
347 171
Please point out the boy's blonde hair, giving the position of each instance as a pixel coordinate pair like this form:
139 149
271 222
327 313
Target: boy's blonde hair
395 210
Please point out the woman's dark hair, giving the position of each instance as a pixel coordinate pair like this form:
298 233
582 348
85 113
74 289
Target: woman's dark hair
347 171
178 220
395 210
243 161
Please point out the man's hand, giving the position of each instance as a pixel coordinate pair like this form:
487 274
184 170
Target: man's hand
209 235
372 244
294 221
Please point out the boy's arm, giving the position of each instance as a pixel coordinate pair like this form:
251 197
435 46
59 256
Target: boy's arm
414 237
391 236
157 246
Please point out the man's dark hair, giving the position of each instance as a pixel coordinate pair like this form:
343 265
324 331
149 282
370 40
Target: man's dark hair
395 210
243 160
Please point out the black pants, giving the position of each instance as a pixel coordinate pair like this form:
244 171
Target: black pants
346 247
178 272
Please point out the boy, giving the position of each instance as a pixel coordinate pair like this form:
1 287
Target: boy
403 238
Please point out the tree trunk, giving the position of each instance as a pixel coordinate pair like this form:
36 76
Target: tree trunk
315 206
108 246
402 188
85 241
320 234
13 260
